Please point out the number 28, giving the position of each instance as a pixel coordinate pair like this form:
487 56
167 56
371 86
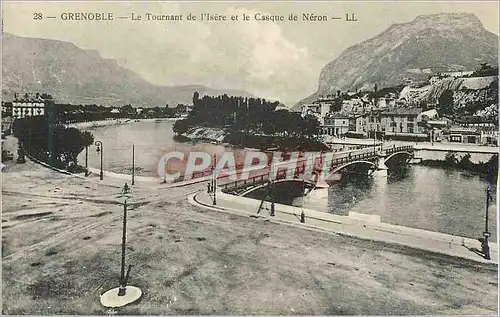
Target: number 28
37 16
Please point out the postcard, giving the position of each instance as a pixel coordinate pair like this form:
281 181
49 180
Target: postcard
249 158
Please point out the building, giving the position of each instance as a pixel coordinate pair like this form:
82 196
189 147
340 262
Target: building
475 122
281 107
28 106
336 124
391 122
6 109
473 130
318 108
458 134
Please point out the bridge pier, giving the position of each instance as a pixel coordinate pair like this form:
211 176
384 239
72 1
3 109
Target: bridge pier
381 168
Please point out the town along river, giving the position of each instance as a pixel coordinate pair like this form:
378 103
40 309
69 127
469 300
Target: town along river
428 198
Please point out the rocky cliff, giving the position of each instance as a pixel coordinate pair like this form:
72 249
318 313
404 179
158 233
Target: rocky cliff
427 45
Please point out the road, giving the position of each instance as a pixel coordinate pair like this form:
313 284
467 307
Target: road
61 250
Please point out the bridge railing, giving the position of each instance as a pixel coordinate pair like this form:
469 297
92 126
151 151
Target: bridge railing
406 148
335 162
300 168
259 179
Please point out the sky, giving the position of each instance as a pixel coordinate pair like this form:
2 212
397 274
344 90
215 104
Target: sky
274 60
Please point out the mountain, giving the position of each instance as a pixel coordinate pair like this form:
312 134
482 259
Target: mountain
414 50
77 76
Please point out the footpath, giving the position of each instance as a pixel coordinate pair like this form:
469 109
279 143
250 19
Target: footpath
435 146
357 225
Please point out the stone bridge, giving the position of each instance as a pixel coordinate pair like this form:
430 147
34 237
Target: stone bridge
297 184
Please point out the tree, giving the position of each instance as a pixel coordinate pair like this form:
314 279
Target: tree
181 126
196 97
446 103
49 142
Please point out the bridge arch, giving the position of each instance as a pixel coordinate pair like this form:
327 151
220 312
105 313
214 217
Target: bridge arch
366 164
366 167
398 158
307 184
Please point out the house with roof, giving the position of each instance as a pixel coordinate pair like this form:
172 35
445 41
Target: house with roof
472 130
28 106
336 124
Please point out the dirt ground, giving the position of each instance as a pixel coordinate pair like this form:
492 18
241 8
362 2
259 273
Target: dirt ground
61 249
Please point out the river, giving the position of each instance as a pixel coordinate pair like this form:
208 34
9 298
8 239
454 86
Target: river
422 197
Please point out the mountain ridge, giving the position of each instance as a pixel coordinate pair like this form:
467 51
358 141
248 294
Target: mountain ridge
438 42
79 76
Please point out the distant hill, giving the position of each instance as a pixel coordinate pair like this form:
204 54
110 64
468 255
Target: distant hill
77 76
427 45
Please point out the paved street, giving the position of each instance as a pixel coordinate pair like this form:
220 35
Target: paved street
61 238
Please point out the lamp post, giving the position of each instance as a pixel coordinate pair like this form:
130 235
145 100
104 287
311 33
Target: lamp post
100 149
272 213
214 181
133 164
123 280
123 294
86 160
486 234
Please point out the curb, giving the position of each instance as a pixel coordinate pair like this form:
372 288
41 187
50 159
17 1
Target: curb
193 201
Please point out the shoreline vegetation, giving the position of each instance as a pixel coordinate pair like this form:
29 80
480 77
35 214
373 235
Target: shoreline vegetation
249 123
463 163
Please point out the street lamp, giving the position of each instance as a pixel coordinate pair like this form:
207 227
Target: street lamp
272 213
126 193
86 160
486 234
100 149
123 294
214 181
133 164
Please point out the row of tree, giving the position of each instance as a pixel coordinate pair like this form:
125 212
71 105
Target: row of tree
50 142
250 115
68 113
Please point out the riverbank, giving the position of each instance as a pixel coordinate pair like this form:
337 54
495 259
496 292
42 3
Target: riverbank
355 225
61 249
254 141
111 122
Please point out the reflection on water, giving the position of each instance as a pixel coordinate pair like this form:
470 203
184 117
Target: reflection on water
398 174
417 196
422 197
151 139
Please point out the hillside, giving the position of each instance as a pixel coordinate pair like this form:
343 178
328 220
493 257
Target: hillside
77 76
427 45
469 96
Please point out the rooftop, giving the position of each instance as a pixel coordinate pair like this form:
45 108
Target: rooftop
474 119
402 111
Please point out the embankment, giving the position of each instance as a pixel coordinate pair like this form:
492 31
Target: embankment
247 140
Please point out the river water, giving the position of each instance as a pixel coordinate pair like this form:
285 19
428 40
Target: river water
421 197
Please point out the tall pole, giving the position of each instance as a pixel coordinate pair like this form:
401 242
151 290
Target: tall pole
214 184
101 175
487 208
122 288
86 160
133 164
100 148
486 233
